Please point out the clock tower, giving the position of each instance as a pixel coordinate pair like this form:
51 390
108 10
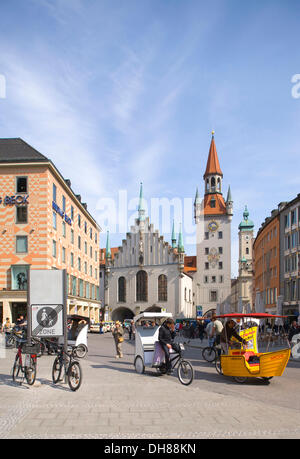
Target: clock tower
213 217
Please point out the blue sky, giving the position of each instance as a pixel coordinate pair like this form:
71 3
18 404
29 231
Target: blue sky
119 92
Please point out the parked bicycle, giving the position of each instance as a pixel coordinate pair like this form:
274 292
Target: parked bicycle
66 365
26 361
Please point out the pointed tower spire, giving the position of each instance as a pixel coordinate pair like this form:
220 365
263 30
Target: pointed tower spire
180 240
197 198
229 197
213 165
173 236
108 251
141 208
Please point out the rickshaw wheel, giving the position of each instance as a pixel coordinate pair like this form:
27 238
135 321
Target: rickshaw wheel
139 365
240 379
266 380
81 351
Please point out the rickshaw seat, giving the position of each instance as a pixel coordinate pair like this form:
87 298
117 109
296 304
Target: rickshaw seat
248 356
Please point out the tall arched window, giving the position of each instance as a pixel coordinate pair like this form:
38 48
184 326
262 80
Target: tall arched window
162 288
122 289
141 286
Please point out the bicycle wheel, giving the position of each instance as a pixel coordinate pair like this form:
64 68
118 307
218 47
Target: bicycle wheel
10 342
209 354
185 372
56 370
17 374
74 375
30 372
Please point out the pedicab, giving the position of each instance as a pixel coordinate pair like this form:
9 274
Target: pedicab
244 361
149 353
78 334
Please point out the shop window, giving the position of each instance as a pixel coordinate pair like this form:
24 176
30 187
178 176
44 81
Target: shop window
19 277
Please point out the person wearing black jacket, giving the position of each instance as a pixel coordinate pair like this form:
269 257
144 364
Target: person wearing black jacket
166 337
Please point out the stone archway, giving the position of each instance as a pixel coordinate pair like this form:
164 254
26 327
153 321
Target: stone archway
121 314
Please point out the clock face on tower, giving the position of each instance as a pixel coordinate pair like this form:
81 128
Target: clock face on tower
213 226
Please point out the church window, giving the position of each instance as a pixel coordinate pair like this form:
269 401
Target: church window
220 235
122 289
219 184
141 286
247 250
162 288
185 292
212 203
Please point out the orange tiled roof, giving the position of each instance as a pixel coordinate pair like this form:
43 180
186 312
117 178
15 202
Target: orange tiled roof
220 206
113 250
213 165
190 264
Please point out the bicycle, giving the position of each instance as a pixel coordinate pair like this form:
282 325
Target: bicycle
72 368
26 370
185 371
211 353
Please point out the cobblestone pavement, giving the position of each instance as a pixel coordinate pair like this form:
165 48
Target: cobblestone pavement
115 402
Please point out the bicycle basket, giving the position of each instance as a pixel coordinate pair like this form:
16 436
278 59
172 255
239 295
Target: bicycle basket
31 348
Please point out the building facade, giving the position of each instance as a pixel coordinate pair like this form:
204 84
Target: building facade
245 277
43 225
213 216
147 274
290 256
266 256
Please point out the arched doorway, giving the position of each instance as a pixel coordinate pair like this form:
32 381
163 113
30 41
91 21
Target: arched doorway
122 314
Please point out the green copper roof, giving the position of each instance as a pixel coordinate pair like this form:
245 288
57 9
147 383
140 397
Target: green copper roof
229 197
180 241
173 236
108 251
246 224
197 198
141 205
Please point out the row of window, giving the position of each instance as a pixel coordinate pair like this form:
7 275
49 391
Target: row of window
292 218
220 250
292 290
292 240
79 287
220 235
72 238
292 264
220 265
213 279
79 264
142 287
54 197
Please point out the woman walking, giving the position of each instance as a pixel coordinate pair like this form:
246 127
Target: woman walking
118 337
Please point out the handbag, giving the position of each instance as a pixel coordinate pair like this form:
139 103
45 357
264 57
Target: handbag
121 339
